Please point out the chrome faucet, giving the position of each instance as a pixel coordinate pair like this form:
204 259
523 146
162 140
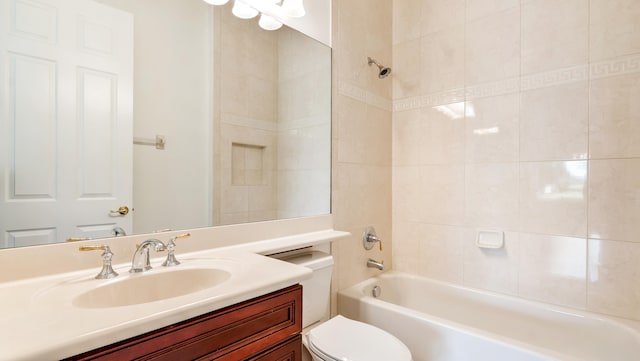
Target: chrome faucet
140 262
107 270
375 264
171 248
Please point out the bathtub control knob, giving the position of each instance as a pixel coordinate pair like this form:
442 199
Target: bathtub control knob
376 291
369 238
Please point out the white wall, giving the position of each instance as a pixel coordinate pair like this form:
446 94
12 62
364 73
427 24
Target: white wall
172 45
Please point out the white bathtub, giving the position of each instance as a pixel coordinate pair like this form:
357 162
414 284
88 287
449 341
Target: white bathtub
443 322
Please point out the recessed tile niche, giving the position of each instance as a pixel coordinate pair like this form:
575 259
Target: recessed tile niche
247 164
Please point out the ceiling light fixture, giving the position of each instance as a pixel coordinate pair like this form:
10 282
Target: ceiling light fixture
286 8
268 23
216 2
243 11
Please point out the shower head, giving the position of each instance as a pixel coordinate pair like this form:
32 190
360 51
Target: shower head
383 71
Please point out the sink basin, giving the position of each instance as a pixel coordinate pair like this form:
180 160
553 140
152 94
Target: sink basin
150 287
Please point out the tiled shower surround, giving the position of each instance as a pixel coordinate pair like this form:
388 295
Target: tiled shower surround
515 115
524 117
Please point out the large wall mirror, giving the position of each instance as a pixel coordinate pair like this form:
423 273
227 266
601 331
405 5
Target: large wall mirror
133 116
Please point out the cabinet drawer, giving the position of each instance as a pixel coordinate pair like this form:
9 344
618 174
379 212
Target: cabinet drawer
288 351
234 333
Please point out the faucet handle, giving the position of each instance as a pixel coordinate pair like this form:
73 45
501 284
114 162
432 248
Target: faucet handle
376 239
186 235
171 247
369 238
107 270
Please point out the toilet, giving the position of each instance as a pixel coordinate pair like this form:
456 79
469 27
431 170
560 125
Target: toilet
339 338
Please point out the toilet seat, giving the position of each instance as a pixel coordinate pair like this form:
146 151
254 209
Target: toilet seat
342 339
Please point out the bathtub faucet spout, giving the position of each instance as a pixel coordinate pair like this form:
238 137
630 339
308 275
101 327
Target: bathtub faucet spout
375 264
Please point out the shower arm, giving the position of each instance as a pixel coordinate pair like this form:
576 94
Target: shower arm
383 71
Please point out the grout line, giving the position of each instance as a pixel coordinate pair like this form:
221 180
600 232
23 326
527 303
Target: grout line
519 204
464 166
586 261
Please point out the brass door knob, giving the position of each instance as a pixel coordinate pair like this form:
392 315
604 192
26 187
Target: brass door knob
123 211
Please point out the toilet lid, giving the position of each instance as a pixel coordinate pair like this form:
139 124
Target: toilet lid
347 340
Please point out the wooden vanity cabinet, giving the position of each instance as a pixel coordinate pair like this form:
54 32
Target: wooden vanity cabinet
266 328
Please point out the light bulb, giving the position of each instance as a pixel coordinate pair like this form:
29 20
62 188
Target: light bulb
243 11
216 2
293 8
268 23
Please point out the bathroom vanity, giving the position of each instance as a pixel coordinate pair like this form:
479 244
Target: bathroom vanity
225 301
265 328
251 311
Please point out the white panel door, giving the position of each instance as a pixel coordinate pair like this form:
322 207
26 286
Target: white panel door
66 108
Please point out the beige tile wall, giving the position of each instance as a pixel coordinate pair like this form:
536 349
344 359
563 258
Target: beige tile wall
304 125
273 124
247 70
521 116
361 154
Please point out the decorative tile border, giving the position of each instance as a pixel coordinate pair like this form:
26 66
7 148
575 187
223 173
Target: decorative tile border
555 77
618 66
364 96
379 102
429 100
407 104
612 67
314 121
233 119
352 91
447 97
502 87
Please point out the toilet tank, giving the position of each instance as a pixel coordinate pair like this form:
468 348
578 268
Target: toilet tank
316 291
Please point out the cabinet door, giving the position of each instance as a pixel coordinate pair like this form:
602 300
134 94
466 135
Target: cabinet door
234 333
288 351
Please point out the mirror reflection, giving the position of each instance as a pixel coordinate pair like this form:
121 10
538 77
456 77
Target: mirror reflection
132 116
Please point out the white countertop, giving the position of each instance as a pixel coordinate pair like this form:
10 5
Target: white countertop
40 322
